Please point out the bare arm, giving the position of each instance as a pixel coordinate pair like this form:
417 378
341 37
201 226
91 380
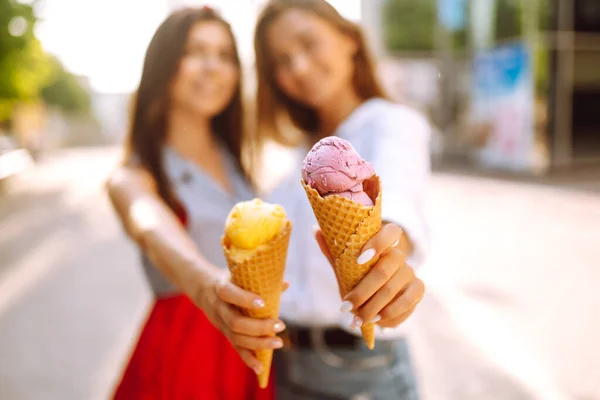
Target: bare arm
151 223
155 228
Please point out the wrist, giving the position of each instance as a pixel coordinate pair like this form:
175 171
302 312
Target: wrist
200 284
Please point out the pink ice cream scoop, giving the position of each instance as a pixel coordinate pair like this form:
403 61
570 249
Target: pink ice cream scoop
358 197
333 166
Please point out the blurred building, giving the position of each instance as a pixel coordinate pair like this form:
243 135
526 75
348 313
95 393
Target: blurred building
508 84
112 111
533 82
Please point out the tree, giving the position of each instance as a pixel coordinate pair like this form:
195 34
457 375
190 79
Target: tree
64 91
409 25
24 67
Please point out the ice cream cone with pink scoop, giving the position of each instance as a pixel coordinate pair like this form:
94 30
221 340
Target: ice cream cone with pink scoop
345 194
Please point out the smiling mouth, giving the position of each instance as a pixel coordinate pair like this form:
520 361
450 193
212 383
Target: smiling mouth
310 90
207 87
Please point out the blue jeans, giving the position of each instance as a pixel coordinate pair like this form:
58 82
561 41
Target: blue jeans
384 373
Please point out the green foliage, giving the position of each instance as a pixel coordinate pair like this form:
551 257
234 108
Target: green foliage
65 91
26 71
409 25
23 65
509 15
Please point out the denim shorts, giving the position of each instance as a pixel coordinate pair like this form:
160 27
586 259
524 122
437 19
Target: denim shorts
384 373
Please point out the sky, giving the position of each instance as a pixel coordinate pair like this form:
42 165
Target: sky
106 39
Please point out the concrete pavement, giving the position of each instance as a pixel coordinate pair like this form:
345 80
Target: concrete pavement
512 291
509 312
71 295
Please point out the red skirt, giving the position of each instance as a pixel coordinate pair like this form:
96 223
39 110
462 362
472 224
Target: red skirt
180 355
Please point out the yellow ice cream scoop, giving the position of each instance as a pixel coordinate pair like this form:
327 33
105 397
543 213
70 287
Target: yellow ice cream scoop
253 223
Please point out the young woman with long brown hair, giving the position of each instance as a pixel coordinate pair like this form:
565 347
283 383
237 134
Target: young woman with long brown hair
183 170
315 78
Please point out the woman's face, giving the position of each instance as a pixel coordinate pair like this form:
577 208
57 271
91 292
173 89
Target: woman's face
208 74
313 61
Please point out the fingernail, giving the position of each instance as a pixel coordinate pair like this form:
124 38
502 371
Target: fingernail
279 327
315 229
376 319
258 369
277 344
346 306
396 243
356 323
258 303
366 256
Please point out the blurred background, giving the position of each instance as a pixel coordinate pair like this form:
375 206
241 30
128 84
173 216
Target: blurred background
512 89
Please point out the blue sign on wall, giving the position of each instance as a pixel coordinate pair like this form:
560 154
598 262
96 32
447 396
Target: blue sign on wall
499 71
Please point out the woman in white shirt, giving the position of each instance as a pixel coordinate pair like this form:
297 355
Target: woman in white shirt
315 72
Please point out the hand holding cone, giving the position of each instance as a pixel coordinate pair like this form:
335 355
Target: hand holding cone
255 244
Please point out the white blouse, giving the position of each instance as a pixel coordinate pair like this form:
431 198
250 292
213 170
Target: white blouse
395 139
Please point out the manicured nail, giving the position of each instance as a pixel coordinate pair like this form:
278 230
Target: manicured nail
396 243
258 303
356 323
279 327
277 344
257 369
376 319
315 229
346 306
366 256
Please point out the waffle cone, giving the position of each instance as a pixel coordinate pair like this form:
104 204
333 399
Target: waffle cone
262 274
346 227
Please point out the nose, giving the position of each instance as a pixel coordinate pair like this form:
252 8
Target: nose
300 65
212 63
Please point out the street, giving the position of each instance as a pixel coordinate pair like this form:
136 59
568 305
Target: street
71 297
511 311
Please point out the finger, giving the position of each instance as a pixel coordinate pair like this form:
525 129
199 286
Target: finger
384 296
237 323
388 236
405 301
232 294
394 322
386 267
325 250
323 244
249 359
285 286
256 343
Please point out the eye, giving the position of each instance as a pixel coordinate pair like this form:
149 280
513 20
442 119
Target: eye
196 51
282 60
227 56
309 43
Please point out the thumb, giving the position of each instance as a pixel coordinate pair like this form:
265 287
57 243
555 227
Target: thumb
322 244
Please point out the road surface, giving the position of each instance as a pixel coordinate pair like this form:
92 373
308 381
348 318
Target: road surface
71 295
509 312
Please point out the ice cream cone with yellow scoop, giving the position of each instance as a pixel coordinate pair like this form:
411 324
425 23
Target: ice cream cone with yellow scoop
255 243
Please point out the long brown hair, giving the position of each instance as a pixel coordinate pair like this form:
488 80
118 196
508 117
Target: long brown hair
273 106
150 113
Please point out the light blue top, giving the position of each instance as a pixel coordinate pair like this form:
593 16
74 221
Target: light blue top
206 204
